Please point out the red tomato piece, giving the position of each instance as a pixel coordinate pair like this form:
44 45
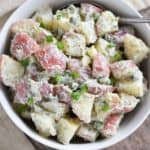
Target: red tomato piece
100 66
23 46
51 59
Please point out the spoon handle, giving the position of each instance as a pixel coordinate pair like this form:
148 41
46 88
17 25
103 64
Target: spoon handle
134 20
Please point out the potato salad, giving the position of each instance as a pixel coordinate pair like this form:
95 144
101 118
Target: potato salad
74 72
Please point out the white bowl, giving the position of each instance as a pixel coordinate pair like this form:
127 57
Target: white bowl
130 123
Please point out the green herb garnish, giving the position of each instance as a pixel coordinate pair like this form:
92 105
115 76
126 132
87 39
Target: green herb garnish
111 45
98 125
83 88
49 38
57 79
75 75
60 45
117 56
113 81
42 25
21 108
76 95
59 16
105 107
25 62
30 100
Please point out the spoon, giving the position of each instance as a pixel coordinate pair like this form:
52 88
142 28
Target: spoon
122 20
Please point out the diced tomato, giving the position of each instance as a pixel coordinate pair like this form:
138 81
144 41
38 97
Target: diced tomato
51 59
100 66
22 46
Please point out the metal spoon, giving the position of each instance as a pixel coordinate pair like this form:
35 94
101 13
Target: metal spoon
122 20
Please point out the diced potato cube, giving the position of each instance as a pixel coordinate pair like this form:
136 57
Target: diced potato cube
92 52
59 109
106 23
125 69
135 88
23 46
55 60
11 71
128 102
106 48
111 125
83 107
98 89
62 21
74 44
112 99
87 28
89 11
85 61
100 67
87 132
106 105
66 129
44 123
98 113
73 14
135 48
44 16
25 25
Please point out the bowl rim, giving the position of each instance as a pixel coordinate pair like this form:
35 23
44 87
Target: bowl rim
35 136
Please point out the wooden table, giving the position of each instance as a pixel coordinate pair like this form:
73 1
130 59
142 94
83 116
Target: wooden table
11 138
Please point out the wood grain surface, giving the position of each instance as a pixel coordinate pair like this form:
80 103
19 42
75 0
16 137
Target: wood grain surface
11 138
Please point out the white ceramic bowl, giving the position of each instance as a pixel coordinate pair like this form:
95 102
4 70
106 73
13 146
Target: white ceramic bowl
130 123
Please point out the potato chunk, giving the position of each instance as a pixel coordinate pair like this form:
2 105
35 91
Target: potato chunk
87 28
128 102
55 60
25 25
111 125
66 129
106 48
83 107
87 132
44 123
59 109
134 88
135 48
23 46
89 11
106 105
106 23
44 16
125 69
74 44
11 71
